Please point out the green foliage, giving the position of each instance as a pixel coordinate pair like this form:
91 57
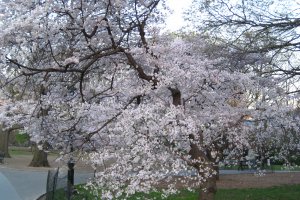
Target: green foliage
60 195
22 138
295 159
83 193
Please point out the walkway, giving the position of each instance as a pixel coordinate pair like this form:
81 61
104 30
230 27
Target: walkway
7 191
29 185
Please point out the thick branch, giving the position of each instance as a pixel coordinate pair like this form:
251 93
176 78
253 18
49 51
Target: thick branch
176 95
139 69
92 33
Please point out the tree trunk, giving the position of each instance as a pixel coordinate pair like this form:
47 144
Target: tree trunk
208 189
198 157
4 138
217 169
40 158
204 166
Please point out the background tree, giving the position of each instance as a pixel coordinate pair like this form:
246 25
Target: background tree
4 138
264 31
256 27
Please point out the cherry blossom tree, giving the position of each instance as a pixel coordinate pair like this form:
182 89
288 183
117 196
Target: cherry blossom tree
97 77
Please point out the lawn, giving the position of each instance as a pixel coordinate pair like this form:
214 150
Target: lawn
288 192
23 151
19 151
285 168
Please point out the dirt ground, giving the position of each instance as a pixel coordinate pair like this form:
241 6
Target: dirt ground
226 181
254 181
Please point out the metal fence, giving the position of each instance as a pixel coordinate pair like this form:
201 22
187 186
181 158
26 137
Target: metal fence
57 183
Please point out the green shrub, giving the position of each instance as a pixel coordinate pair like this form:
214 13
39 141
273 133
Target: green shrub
22 138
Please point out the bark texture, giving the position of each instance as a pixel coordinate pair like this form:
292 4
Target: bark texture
208 189
200 159
4 139
40 158
204 165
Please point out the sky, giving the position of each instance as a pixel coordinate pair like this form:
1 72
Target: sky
176 21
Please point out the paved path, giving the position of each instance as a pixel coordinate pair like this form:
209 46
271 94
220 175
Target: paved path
29 185
7 191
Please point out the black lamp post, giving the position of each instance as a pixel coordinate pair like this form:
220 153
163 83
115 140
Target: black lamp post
71 165
70 178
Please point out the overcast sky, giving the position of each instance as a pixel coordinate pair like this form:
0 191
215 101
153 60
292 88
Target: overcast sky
176 21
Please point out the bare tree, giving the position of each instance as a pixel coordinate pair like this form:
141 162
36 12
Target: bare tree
269 28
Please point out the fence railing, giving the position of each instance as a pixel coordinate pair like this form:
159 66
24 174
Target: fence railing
57 183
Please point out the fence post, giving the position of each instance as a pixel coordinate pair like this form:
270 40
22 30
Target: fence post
70 178
51 184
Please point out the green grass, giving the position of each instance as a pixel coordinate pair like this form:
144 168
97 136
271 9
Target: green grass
288 192
24 151
22 138
17 152
183 195
282 168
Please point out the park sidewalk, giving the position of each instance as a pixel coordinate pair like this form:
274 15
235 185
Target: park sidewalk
29 183
7 191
